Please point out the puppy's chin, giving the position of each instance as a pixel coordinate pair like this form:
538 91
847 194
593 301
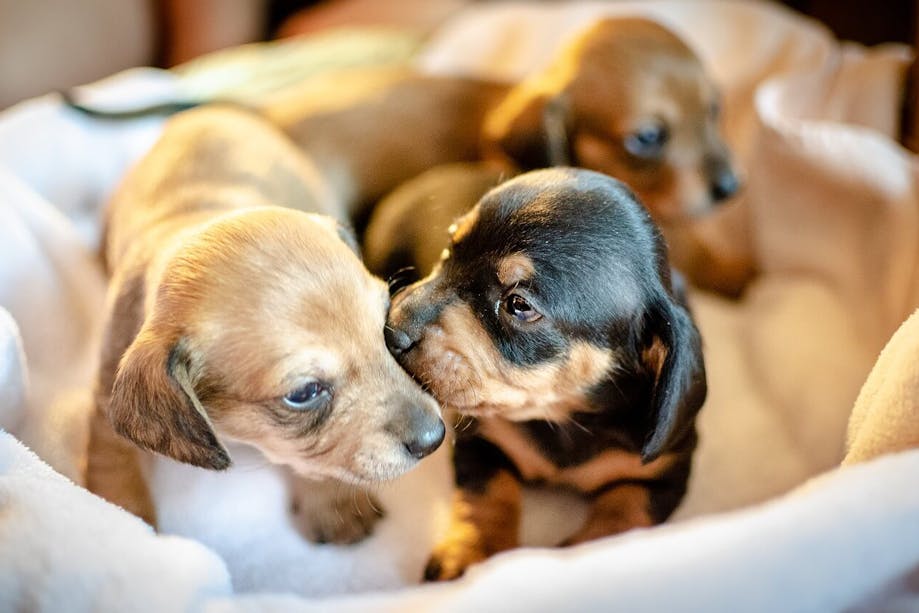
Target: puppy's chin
368 469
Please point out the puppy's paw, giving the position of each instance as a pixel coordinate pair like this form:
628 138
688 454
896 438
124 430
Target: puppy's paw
451 559
340 514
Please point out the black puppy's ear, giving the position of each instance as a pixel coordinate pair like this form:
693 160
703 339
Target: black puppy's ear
531 129
672 351
153 404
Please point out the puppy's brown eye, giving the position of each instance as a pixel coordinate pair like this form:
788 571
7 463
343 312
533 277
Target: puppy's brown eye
308 396
648 141
517 307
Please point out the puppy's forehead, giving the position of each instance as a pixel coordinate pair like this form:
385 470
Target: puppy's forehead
578 234
551 200
282 280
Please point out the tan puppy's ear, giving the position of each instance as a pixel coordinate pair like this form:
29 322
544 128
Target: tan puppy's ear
531 128
153 404
673 354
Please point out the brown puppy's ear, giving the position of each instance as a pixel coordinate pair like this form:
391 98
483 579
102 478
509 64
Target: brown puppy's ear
531 129
153 404
673 353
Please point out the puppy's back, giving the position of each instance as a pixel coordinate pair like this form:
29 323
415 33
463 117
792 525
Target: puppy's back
408 228
208 160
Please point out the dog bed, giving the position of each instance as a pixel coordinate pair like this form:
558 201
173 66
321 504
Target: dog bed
770 522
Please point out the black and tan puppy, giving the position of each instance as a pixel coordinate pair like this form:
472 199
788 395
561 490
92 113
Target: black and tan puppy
553 323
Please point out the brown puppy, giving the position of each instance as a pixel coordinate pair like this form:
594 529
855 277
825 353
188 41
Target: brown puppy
553 327
234 317
625 97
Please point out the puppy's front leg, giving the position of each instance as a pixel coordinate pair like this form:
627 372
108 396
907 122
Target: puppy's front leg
619 509
485 518
332 511
114 471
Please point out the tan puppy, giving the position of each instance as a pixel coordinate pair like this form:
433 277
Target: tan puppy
626 97
234 317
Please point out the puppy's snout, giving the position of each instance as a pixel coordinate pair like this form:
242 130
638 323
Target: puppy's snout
419 430
397 340
410 313
724 181
426 441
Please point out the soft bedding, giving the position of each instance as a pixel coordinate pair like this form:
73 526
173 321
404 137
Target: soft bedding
832 216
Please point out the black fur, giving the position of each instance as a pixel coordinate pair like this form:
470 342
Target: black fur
601 277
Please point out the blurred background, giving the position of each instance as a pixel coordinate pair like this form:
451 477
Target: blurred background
48 45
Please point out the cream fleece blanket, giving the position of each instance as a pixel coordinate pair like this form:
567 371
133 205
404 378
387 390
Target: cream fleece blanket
834 225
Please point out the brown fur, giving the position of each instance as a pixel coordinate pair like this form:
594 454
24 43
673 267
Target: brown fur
622 508
606 467
601 86
222 303
481 525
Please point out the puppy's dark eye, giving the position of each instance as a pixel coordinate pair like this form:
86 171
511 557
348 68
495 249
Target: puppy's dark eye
308 396
521 310
648 141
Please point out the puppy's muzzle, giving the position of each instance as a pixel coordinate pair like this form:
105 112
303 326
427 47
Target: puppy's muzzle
723 181
397 340
420 431
412 310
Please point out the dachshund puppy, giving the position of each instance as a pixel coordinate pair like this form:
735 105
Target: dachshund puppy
625 97
235 315
553 325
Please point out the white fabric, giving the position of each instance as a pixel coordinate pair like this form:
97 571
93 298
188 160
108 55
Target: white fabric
836 220
63 549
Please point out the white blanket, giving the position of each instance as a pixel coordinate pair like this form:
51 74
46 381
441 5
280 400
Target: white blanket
835 222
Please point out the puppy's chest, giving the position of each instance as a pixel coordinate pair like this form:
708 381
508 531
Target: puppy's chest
565 455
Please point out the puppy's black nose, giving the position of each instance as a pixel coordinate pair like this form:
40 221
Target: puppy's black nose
427 440
724 185
397 340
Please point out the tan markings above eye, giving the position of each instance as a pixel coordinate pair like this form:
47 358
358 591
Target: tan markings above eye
461 227
514 268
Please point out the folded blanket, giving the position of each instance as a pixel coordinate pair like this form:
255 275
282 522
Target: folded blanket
63 549
886 415
820 548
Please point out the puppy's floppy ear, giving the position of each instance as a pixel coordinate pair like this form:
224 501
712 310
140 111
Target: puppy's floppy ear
153 404
531 129
672 352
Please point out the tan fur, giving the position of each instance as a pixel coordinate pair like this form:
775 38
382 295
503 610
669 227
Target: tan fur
333 512
222 302
461 227
620 509
513 268
464 370
604 468
481 525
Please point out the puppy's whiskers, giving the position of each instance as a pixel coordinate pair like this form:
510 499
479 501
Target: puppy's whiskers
578 425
